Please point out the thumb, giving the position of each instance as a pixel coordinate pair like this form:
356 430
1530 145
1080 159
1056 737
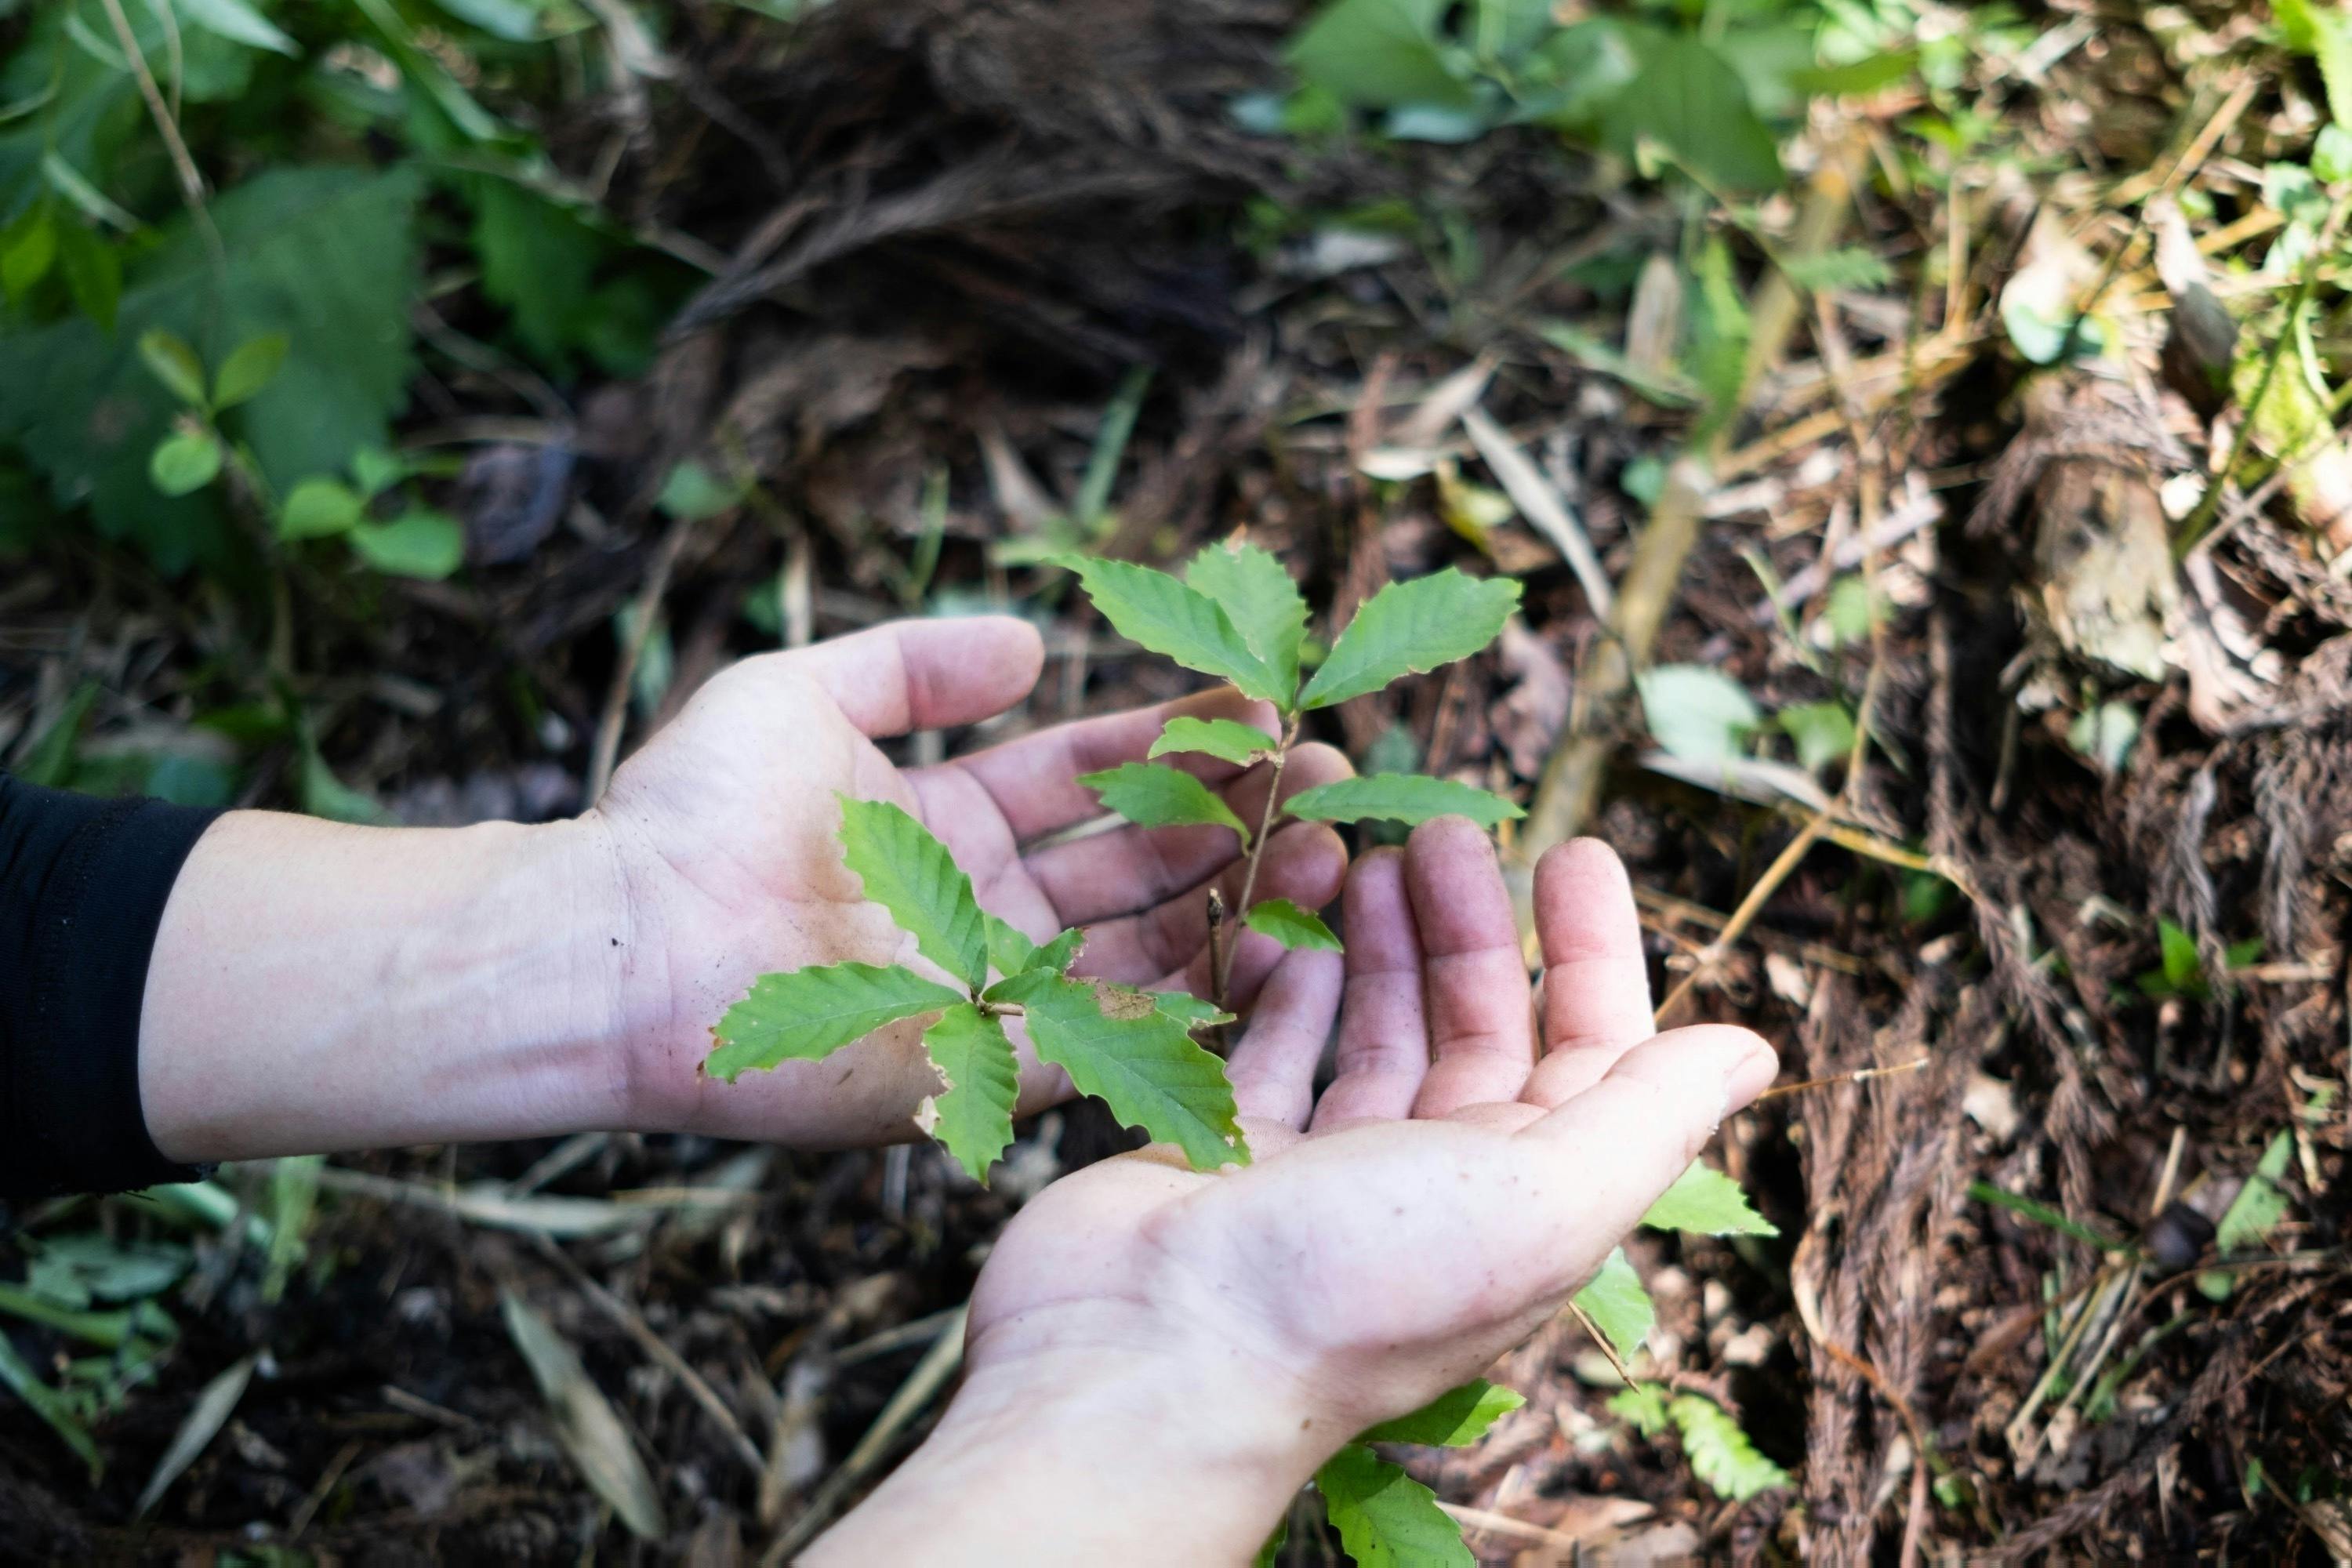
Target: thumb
927 674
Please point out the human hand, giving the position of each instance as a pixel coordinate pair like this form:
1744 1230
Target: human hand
1173 1352
721 834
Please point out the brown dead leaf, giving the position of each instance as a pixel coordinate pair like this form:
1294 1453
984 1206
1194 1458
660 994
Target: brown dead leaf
1528 718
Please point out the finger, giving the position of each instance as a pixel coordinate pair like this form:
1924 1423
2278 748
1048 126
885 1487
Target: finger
1610 1150
1596 1000
1481 1009
1127 870
1035 780
927 674
1383 1034
1273 1070
1169 943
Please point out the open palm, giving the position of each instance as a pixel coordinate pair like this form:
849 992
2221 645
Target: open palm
722 834
1448 1191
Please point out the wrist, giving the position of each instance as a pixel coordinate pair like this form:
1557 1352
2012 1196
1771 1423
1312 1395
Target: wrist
1094 1455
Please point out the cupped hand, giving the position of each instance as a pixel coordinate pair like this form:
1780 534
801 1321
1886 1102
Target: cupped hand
721 836
1461 1176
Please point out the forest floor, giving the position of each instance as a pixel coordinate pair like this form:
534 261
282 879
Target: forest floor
2083 900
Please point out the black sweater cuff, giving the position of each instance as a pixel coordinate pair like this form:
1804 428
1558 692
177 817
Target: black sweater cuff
83 882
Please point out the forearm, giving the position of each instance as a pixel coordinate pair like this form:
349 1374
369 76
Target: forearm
1090 1462
317 987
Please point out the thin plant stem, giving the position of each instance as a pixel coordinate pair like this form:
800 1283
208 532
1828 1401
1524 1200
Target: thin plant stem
1220 962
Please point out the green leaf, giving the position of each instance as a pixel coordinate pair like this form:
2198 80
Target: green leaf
1857 78
239 23
1698 714
1706 1201
1061 952
1719 1452
1399 797
2331 155
2257 1210
693 494
1824 732
1290 925
911 874
804 1014
2105 734
2183 970
327 256
1257 592
51 1406
1453 1419
1188 1009
1411 626
319 509
1155 610
1379 53
27 250
1613 1298
1385 1517
174 363
1694 103
1644 1404
94 274
421 543
185 461
1009 951
973 1118
1119 1047
1153 794
1240 745
254 365
1829 271
539 261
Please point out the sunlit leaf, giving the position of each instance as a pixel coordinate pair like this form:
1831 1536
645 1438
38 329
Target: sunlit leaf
1411 626
1153 794
973 1118
1240 745
420 542
1399 797
1141 1063
319 509
803 1015
1291 926
184 462
1155 610
910 873
252 365
1705 1201
1613 1298
1384 1518
1453 1418
1698 714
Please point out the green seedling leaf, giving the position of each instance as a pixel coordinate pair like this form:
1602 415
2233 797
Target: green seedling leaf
1009 951
27 250
319 509
804 1014
2331 155
2252 1217
74 1270
1408 628
185 462
1643 1404
174 363
1719 1452
1705 1201
252 366
973 1116
1153 794
51 1406
1385 1517
1411 798
1119 1047
1824 732
1058 954
1258 594
1692 101
1290 925
1828 271
419 543
1698 714
911 874
1240 745
1375 54
1453 1419
1155 610
1613 1298
1188 1009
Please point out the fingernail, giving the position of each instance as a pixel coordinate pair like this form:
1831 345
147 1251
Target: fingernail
1751 1077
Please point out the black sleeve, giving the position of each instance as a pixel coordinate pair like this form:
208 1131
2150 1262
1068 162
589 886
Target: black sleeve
82 887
